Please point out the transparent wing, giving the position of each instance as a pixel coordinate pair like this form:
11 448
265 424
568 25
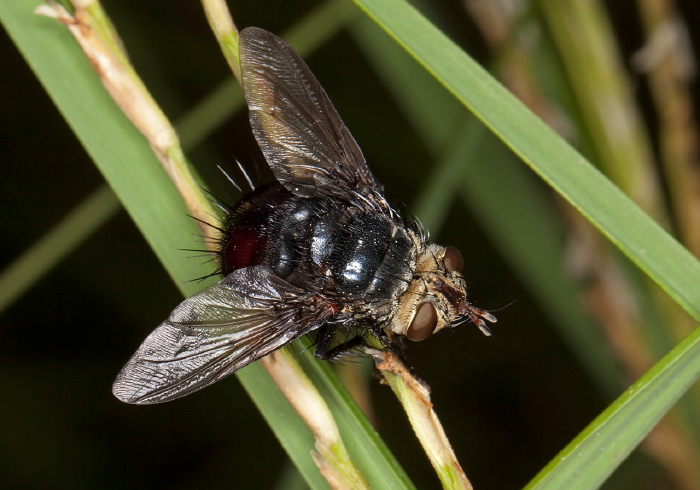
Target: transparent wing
304 140
246 315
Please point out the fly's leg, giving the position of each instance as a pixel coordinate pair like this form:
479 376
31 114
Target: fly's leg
323 340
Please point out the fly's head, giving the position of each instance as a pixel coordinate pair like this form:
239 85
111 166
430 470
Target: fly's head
437 297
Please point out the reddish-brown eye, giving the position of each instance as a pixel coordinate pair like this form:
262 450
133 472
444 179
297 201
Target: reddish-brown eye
423 324
453 259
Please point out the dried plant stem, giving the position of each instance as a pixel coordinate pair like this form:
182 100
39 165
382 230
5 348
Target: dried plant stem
414 396
101 45
583 35
332 457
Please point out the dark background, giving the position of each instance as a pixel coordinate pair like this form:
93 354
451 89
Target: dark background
508 403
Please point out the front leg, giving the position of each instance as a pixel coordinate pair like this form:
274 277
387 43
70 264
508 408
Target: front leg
323 340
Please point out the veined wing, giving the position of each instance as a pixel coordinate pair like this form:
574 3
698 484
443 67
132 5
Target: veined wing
304 140
245 316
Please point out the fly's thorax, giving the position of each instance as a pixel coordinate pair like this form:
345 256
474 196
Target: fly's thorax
436 297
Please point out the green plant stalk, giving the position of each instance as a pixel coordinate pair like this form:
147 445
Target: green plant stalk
306 35
225 32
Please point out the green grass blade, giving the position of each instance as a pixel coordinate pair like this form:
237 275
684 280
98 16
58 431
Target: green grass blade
553 159
138 180
590 458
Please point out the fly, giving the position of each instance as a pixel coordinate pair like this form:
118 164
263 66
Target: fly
319 249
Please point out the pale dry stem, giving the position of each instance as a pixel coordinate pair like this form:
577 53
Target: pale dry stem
668 61
331 457
414 396
128 91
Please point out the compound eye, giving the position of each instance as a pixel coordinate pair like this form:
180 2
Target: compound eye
453 259
423 324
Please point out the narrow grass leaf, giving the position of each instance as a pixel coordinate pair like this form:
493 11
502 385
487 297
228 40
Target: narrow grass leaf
592 456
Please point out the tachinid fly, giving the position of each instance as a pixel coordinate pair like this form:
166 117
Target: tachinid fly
319 249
